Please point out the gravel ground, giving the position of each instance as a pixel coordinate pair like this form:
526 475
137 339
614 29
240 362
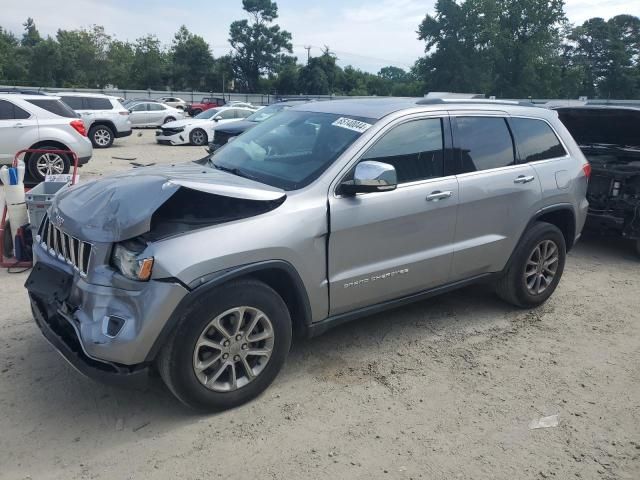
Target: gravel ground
441 389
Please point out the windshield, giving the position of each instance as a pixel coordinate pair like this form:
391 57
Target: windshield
291 149
266 112
207 114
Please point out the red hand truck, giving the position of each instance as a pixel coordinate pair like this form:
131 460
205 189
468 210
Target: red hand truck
11 262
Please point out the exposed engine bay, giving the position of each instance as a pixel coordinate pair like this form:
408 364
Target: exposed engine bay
190 209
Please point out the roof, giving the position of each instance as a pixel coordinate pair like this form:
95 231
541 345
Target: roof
23 96
598 107
376 108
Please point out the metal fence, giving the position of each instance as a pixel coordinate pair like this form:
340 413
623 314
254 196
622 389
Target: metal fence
266 99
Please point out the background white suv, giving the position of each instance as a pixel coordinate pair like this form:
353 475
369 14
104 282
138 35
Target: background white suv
41 122
104 116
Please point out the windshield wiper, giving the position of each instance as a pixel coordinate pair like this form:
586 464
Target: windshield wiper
235 171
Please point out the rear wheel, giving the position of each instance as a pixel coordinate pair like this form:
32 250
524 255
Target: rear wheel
101 136
198 137
195 112
638 247
42 164
536 267
228 348
168 119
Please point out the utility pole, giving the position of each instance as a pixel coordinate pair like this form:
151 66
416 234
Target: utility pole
308 49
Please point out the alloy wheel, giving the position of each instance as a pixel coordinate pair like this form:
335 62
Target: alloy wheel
197 137
233 349
541 267
50 164
102 137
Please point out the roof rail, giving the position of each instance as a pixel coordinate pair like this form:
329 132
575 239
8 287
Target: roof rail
440 101
21 91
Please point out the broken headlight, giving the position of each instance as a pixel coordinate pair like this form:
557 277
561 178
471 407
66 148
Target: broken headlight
125 259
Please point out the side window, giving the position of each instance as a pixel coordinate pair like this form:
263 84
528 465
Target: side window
73 102
535 140
140 107
8 111
96 103
415 149
227 114
155 107
485 142
243 113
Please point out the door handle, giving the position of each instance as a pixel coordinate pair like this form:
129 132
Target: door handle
438 195
524 179
19 125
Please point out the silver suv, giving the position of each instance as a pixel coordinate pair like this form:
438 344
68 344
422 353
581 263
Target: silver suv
324 213
104 116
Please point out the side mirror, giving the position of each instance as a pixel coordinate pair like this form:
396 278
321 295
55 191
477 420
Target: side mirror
371 176
216 119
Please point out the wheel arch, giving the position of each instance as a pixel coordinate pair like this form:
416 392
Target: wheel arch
563 217
105 123
278 274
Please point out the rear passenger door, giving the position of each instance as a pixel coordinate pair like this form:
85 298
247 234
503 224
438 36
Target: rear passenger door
387 245
139 115
497 196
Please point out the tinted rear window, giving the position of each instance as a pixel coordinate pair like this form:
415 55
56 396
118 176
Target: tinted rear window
54 106
73 102
94 103
535 140
485 142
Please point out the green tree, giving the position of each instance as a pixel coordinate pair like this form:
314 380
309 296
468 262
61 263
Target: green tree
191 60
149 67
31 36
119 60
259 45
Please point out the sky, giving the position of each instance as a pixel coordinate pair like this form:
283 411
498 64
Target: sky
368 34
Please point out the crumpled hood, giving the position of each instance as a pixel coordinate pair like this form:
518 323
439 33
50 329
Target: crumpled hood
120 206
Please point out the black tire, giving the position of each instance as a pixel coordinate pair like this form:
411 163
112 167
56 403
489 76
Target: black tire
198 137
175 362
37 158
512 286
638 247
168 119
195 112
101 136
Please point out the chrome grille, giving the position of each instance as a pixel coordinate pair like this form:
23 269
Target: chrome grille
65 247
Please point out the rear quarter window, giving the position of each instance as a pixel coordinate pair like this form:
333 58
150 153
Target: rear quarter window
535 140
9 111
54 106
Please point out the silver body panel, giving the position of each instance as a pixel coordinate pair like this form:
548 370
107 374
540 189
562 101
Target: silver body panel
349 252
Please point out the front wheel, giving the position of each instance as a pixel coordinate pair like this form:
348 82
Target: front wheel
198 137
228 348
42 164
536 267
168 119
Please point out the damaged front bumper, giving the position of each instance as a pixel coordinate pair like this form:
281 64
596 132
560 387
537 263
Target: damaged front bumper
106 333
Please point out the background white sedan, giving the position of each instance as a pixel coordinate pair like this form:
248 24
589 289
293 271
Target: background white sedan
152 114
199 129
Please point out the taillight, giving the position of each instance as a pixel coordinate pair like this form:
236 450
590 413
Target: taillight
586 169
126 112
79 127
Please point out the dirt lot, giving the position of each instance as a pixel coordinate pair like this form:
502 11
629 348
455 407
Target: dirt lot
443 389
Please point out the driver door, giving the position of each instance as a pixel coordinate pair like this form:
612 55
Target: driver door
386 245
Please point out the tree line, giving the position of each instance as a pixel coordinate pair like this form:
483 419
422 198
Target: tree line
507 48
